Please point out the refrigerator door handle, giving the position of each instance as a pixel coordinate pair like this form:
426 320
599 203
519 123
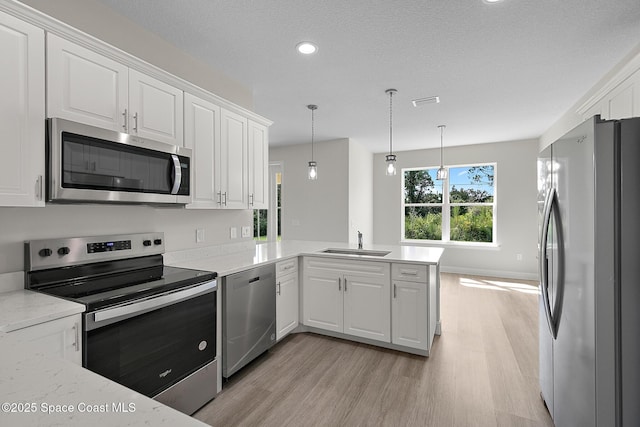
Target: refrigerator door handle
544 264
556 312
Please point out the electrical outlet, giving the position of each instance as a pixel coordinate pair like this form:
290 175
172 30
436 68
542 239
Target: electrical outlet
234 232
199 235
518 257
246 231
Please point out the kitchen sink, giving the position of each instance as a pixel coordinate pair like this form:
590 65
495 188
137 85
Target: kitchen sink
365 252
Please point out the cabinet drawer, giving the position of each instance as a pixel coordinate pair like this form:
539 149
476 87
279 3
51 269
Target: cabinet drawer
410 272
286 267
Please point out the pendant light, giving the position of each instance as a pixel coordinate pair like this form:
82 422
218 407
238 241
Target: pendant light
313 166
442 172
391 158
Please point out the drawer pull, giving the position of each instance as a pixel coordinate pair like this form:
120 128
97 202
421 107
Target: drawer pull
409 272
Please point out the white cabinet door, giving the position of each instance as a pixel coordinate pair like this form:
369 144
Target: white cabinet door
155 109
202 136
286 305
84 86
60 337
367 311
409 314
22 119
258 166
234 161
323 301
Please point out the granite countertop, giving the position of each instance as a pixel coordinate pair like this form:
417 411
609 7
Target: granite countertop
22 308
37 390
47 386
265 253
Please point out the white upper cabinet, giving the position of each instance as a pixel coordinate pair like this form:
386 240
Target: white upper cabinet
90 88
202 136
22 76
234 187
155 108
86 87
258 166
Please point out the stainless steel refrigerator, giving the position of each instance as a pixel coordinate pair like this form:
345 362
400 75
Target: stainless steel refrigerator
589 240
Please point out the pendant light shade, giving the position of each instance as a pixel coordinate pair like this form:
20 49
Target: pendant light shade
442 172
391 158
313 166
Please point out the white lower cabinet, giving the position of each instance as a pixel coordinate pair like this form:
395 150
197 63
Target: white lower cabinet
413 310
409 314
286 297
61 338
350 297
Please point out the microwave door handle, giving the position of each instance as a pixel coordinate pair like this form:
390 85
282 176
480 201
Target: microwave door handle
177 174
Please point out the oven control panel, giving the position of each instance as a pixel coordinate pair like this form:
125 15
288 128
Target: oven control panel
53 253
118 245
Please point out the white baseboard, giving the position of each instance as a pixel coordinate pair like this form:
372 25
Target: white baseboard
490 273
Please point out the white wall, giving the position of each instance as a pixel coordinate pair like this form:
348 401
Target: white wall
315 210
516 194
360 192
179 226
100 21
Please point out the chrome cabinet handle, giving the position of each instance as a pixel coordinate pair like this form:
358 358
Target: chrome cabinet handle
135 121
251 199
125 116
409 273
76 329
340 283
394 290
220 198
225 198
39 188
345 284
279 289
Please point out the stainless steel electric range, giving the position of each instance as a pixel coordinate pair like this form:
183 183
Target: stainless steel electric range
147 326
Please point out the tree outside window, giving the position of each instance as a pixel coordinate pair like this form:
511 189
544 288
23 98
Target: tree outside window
459 209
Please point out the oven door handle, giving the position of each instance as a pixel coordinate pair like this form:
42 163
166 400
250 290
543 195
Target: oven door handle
115 314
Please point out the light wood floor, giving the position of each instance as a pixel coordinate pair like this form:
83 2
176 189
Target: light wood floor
483 371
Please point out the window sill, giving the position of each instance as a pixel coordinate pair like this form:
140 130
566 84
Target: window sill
459 245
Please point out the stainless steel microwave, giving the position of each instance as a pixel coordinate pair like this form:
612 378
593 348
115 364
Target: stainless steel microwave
86 164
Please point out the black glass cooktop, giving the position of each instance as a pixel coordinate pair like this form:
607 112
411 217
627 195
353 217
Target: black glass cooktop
106 284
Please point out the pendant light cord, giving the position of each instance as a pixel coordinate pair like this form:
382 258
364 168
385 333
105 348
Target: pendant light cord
441 144
390 122
312 132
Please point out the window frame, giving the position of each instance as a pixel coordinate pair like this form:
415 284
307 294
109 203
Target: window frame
446 205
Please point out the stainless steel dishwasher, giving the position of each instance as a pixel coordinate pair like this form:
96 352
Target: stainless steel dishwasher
249 316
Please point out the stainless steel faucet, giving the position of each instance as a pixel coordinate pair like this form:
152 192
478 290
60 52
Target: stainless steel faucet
359 240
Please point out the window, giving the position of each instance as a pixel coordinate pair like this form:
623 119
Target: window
458 209
267 223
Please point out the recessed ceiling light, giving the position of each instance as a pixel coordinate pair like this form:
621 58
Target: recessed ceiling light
306 48
491 1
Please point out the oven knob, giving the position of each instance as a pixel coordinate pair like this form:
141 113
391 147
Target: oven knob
63 251
157 242
146 242
45 252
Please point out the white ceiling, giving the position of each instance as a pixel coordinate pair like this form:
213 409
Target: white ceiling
504 71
